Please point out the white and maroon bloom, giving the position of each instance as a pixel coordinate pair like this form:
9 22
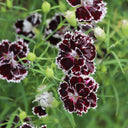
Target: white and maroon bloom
44 100
89 10
25 125
26 27
11 67
34 19
43 126
53 24
87 27
78 94
76 54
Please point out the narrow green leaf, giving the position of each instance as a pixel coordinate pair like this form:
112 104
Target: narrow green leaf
19 8
5 98
117 99
24 98
71 119
116 57
108 35
11 119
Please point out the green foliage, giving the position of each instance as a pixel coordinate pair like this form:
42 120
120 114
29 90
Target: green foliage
111 74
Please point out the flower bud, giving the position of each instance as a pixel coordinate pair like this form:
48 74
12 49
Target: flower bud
49 72
71 18
31 56
3 9
46 7
22 115
9 3
124 27
103 69
99 33
62 6
53 65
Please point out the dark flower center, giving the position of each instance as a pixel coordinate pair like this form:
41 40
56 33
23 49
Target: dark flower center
74 54
74 96
10 58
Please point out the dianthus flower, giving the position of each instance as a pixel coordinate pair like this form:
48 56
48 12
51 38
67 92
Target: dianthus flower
11 67
44 126
76 54
53 24
78 94
25 125
87 28
89 10
26 27
44 100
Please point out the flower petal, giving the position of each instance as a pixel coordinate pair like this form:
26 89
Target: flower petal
74 2
83 14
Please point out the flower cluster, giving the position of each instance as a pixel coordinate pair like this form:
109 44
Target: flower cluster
11 67
76 58
26 27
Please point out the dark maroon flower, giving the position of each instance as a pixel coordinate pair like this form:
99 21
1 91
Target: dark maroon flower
87 28
76 54
26 27
34 19
90 10
11 67
39 111
56 37
78 94
25 125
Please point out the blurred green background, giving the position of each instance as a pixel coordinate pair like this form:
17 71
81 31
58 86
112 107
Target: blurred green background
111 72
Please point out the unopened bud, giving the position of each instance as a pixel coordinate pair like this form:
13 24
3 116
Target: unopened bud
31 56
71 18
99 33
124 26
53 65
49 72
104 69
3 9
22 115
37 31
9 3
46 7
